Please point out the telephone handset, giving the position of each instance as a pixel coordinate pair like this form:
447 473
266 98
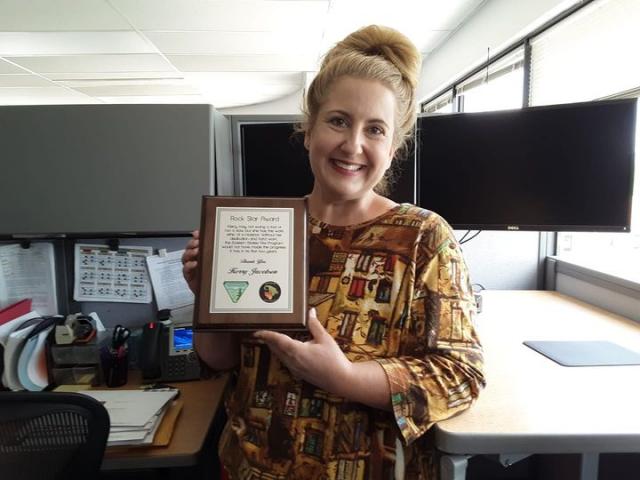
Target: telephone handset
150 350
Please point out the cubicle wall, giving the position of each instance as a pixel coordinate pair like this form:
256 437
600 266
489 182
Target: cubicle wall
113 169
589 284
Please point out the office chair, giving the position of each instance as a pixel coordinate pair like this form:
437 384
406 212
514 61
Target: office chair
51 436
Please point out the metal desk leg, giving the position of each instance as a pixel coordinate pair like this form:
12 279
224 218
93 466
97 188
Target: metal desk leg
589 466
453 467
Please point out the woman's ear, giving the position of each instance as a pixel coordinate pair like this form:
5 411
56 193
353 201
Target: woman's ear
306 139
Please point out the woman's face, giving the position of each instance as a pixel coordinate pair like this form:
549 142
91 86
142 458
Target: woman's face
350 144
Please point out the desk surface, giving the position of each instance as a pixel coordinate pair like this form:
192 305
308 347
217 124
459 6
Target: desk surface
201 400
533 405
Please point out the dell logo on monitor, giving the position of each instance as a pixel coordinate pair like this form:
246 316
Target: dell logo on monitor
513 227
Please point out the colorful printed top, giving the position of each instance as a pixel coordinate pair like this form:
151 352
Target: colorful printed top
395 290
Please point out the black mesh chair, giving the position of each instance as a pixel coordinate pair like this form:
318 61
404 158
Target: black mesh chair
50 436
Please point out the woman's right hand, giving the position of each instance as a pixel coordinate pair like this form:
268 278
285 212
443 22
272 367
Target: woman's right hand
190 269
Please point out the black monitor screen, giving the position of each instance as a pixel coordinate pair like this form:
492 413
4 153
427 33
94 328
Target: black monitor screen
561 167
275 162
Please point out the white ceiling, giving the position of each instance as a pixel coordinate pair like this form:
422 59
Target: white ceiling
223 52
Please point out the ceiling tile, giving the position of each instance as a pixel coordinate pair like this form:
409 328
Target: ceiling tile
42 96
236 43
229 15
24 81
109 82
154 99
243 63
74 43
62 77
94 63
6 67
246 78
235 98
238 99
227 89
430 20
59 15
138 90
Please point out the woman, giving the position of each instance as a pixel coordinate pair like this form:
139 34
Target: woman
391 347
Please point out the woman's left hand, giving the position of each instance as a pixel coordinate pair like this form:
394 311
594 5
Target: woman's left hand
318 361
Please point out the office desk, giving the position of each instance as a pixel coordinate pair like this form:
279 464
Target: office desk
533 405
201 399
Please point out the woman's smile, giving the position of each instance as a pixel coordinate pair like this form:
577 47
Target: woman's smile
347 167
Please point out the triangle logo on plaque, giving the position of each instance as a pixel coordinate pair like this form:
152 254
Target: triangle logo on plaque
235 289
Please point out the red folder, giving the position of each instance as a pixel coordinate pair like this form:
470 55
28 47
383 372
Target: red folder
14 311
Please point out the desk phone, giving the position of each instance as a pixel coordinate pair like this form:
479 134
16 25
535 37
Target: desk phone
178 361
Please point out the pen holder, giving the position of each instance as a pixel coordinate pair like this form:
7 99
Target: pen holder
115 365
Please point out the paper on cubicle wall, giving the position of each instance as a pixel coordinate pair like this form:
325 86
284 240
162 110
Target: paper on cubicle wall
104 275
182 316
29 273
169 286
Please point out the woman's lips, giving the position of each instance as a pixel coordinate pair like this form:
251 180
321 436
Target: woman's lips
346 167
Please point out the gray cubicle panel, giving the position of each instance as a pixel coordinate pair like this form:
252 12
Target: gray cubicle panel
104 169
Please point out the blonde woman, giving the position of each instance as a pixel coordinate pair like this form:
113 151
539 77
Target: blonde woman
391 347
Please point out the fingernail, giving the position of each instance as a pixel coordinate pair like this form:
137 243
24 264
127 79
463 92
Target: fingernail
313 312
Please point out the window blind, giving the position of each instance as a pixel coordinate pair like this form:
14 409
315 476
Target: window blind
497 88
590 55
442 104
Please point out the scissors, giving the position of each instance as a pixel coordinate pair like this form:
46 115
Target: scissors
120 336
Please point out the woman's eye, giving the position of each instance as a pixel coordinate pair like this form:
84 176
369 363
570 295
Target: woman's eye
337 121
376 130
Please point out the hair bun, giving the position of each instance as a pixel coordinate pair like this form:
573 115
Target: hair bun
380 41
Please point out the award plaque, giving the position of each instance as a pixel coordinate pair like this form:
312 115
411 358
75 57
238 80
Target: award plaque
253 264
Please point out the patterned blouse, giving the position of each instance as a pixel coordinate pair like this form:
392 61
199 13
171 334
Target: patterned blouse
394 290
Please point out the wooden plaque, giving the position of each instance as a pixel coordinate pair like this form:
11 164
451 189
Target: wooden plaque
253 264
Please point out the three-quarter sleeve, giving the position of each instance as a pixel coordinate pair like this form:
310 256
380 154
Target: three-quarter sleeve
439 371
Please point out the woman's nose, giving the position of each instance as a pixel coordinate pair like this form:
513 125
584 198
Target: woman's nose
353 141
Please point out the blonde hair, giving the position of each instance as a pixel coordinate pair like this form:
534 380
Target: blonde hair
372 53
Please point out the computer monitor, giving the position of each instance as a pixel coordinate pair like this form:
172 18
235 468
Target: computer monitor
553 168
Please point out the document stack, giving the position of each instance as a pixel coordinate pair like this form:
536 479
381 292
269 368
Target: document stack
135 414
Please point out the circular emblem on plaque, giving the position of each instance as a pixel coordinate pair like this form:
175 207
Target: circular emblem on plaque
270 292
